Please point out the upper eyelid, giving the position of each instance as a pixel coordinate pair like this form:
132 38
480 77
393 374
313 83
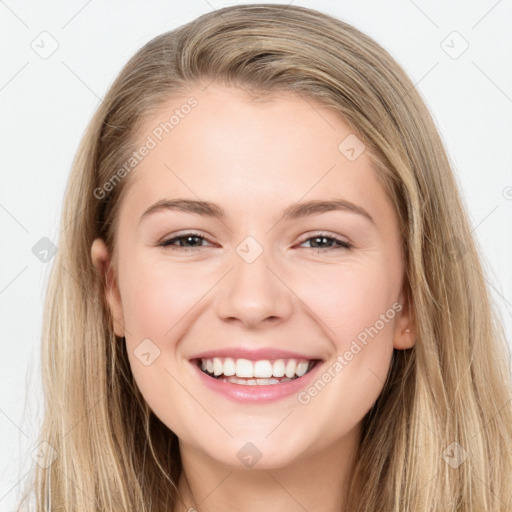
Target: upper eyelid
305 237
324 233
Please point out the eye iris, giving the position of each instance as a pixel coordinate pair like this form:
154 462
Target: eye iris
191 237
323 238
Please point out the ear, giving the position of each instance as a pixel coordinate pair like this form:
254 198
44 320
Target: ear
405 326
102 262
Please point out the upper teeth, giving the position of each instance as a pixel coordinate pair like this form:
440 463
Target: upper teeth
260 369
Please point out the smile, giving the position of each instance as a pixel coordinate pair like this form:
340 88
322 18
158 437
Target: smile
263 372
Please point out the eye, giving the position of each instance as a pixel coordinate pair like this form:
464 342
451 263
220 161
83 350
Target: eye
189 237
195 240
320 239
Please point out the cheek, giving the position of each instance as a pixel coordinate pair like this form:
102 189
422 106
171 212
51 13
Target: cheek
160 302
349 298
157 296
357 309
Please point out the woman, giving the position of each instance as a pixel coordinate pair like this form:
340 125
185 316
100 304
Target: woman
250 370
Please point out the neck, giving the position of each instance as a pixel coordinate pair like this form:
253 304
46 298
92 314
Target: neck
316 481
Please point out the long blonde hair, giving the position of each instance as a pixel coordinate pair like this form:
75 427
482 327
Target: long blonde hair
439 436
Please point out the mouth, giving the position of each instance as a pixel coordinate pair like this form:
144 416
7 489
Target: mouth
255 373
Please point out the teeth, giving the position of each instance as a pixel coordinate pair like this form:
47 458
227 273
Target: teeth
255 371
302 368
244 368
229 367
290 368
217 366
278 368
263 369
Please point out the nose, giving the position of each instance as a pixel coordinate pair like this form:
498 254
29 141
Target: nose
254 294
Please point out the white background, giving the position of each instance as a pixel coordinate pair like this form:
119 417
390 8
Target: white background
46 104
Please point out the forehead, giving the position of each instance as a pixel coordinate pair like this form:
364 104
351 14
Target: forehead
246 151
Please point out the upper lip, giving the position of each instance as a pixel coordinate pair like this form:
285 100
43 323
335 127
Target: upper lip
255 354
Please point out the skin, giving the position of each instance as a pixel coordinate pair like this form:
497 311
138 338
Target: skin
266 155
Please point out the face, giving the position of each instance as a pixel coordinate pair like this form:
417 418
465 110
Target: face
320 286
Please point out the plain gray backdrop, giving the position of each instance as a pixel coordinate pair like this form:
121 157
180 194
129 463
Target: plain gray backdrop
58 60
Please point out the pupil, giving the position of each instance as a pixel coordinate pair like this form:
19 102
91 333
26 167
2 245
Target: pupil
319 238
192 237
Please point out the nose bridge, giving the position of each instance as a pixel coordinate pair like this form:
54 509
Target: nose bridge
252 292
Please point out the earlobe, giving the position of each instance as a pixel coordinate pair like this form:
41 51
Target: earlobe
405 327
102 263
404 339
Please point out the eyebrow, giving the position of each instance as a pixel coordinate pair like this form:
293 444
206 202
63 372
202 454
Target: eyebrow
294 211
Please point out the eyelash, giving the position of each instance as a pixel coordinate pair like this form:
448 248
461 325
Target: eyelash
342 244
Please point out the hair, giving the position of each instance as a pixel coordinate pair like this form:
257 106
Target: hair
452 386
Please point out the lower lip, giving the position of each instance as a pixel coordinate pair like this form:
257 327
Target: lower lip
258 393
